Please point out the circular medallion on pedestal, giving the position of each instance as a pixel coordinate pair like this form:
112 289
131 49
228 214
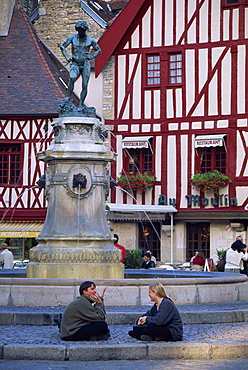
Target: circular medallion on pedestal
79 181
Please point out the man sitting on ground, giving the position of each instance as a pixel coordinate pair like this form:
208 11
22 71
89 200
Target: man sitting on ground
148 263
84 318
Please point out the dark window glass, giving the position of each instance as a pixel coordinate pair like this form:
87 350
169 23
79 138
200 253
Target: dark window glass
213 158
10 163
140 160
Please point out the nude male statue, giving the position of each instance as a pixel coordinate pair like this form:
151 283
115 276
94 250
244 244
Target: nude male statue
81 43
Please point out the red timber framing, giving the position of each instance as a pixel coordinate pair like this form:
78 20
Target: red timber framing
24 200
211 37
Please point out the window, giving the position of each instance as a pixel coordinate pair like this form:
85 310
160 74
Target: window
198 239
10 164
212 158
175 69
149 238
139 160
153 70
228 3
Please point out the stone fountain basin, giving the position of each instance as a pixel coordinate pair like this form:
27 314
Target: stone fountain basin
208 287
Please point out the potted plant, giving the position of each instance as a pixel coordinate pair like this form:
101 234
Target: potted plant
212 181
135 182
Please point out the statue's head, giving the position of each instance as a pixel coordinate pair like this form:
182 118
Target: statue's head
81 24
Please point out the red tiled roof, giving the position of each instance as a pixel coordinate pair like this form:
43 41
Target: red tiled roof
29 74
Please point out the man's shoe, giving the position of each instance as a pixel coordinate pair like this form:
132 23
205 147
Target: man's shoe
100 337
149 338
133 334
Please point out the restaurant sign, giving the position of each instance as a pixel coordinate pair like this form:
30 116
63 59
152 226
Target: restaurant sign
194 200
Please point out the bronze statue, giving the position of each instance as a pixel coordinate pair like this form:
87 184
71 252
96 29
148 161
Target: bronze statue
81 44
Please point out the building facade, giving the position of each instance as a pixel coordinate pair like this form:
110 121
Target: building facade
180 107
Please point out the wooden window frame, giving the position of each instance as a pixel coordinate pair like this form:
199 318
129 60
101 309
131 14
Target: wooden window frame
147 70
139 166
233 5
171 54
13 180
214 153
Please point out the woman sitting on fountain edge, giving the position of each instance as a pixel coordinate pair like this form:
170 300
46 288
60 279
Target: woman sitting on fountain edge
162 321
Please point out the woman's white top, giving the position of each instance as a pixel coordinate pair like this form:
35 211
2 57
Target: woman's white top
235 259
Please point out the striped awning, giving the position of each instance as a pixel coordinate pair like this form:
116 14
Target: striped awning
136 142
202 141
20 229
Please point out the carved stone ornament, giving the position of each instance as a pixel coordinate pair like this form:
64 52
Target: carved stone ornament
77 175
75 255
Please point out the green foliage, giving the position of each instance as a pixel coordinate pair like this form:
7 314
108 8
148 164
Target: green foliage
135 181
210 181
221 253
133 259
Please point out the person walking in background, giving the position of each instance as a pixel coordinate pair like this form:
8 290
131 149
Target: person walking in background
123 250
162 321
6 256
148 263
84 318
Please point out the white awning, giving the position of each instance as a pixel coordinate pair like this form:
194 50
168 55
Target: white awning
137 211
209 140
136 142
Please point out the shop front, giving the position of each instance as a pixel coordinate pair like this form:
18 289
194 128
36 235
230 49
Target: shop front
142 227
20 237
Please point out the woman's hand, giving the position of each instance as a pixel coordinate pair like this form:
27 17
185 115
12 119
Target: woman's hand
142 320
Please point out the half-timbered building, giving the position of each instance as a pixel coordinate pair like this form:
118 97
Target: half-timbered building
31 87
180 106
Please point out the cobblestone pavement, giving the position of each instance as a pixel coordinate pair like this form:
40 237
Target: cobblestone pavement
210 307
230 364
206 333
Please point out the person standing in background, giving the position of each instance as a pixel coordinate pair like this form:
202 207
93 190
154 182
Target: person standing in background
6 256
123 250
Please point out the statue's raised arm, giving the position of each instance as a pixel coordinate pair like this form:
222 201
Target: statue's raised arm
81 44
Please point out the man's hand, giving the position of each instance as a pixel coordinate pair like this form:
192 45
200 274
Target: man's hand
142 320
103 292
95 297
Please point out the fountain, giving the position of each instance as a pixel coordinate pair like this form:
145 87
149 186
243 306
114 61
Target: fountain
76 241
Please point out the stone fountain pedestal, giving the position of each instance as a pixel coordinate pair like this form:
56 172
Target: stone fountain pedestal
76 242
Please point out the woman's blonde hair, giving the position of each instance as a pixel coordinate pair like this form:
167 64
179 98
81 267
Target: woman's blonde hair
160 291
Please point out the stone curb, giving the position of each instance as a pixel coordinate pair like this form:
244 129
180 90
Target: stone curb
126 318
139 351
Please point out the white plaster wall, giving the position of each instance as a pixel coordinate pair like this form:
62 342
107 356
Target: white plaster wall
222 236
127 232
